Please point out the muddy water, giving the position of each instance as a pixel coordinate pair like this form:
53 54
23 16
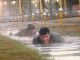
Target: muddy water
70 50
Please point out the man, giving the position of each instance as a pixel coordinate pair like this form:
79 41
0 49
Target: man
29 32
45 37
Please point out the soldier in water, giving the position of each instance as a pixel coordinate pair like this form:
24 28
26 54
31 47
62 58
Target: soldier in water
45 37
29 32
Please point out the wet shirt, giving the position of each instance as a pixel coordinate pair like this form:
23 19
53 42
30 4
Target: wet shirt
55 38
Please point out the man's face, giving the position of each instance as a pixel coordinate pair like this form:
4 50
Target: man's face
45 38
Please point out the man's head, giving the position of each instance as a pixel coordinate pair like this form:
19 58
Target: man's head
31 29
44 33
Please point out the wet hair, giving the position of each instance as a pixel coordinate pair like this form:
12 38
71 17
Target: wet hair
44 31
30 27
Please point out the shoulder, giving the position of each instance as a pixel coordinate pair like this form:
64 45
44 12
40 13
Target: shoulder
56 37
55 34
37 40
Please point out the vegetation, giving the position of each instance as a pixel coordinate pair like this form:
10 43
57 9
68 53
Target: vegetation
13 50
